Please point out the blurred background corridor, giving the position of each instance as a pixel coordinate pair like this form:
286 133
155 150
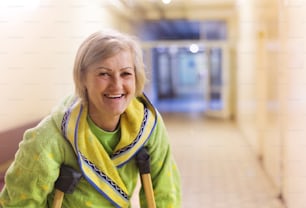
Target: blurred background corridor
227 75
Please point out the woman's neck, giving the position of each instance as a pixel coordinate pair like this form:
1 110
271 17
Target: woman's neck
107 124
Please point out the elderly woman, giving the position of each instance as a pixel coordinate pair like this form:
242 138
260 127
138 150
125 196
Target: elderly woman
97 132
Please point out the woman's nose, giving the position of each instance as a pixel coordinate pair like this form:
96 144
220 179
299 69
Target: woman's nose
116 81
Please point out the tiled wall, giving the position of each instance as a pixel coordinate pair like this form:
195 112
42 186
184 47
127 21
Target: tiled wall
271 91
293 98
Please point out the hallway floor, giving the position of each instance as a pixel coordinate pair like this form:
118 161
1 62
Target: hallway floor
217 166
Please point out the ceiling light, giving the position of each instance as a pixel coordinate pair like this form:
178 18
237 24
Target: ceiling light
194 48
166 1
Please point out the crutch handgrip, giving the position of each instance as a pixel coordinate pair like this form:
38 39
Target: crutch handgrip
65 183
143 163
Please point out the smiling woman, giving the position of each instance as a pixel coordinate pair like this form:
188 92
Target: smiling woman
97 48
108 68
110 86
97 131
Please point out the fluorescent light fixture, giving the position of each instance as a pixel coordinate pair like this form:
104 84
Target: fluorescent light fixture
194 48
166 1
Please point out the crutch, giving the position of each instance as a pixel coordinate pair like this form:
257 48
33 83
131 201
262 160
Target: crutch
65 184
143 163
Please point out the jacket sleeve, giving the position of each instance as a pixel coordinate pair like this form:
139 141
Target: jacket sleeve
164 172
30 178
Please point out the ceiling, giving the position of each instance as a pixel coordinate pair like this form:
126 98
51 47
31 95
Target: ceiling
179 20
176 9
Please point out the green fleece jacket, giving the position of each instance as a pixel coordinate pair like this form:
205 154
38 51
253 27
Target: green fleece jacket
29 182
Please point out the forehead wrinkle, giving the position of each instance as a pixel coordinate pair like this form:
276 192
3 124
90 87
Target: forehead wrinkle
103 67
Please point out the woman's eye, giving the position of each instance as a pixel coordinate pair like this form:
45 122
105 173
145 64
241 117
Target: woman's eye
126 74
103 74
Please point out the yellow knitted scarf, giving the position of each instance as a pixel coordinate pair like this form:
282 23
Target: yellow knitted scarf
100 170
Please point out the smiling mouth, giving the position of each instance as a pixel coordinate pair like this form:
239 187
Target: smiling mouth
114 96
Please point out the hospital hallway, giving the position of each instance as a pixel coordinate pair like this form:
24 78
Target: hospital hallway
217 167
228 77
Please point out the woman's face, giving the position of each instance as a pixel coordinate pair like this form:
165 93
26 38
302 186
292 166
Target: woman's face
111 85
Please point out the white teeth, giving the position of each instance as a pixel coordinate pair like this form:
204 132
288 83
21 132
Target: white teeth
114 96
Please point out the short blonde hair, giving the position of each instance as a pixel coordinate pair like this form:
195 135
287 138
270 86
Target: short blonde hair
102 45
